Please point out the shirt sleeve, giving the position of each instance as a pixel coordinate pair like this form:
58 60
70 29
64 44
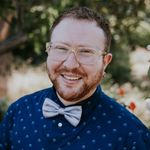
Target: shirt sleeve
5 128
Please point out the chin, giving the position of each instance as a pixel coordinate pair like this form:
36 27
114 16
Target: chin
70 95
73 95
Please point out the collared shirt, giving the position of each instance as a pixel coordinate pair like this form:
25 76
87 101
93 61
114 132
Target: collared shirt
104 125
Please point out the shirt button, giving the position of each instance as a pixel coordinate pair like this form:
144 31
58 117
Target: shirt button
59 124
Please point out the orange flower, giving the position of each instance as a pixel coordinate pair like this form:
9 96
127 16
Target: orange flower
132 106
121 92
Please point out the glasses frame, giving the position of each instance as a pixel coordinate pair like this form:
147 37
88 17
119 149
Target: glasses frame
98 53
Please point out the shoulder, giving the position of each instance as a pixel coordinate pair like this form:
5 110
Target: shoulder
29 100
127 122
36 96
116 110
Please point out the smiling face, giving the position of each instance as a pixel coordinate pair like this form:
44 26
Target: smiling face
73 80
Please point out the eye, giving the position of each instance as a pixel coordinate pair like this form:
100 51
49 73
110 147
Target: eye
86 51
61 49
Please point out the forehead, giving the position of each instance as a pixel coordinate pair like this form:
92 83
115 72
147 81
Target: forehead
75 32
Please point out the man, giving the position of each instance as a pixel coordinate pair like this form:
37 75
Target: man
74 114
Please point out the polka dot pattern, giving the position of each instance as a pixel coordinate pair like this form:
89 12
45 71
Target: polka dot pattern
105 125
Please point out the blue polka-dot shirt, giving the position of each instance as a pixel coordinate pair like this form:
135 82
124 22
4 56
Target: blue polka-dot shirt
104 125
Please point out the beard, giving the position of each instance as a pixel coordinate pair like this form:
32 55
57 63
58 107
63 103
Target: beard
71 93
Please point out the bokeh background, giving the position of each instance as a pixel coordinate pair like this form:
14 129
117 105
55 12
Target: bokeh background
24 30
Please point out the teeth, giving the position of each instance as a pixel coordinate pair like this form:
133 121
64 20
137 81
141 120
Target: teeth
71 77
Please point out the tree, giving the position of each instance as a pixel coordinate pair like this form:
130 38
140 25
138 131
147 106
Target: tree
31 21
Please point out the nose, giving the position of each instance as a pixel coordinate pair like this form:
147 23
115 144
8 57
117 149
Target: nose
71 61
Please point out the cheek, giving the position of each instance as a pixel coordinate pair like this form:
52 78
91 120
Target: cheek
51 67
94 70
48 64
94 75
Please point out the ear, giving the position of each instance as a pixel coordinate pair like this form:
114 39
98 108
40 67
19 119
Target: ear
107 59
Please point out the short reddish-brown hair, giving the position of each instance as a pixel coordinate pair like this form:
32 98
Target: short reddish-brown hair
84 13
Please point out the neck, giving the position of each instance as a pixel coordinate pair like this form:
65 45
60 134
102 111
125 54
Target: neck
66 103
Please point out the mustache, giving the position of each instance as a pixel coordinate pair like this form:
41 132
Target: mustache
72 71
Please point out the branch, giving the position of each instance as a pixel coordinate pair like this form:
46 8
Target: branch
12 42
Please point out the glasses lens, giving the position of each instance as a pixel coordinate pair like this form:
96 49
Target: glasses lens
87 56
58 52
83 55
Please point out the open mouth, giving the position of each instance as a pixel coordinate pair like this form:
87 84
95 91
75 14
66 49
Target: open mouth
71 77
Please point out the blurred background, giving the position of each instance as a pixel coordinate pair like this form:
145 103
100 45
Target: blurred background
24 30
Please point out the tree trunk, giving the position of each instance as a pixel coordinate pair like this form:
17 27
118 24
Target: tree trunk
5 59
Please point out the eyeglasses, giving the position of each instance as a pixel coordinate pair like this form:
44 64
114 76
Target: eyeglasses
84 55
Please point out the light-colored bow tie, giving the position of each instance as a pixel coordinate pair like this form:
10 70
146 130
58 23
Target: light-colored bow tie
72 113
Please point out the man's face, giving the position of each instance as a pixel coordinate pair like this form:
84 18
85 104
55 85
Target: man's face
75 81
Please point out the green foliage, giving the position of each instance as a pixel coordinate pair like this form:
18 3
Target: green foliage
120 67
128 19
129 23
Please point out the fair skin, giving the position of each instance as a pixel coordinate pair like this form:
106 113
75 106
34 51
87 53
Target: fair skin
74 81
